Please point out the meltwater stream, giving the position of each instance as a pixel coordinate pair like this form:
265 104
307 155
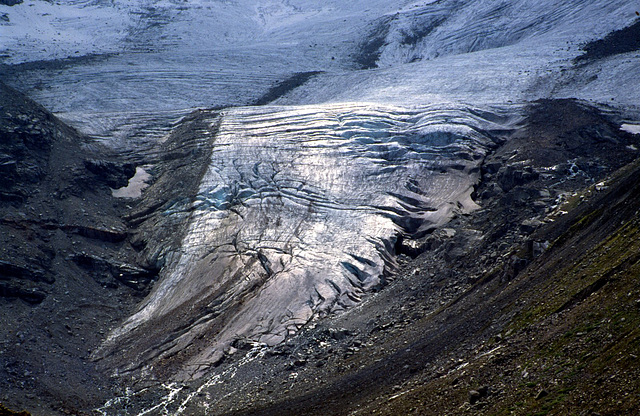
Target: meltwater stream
299 215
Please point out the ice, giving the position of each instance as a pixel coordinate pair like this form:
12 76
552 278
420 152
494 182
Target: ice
176 56
631 128
300 215
164 57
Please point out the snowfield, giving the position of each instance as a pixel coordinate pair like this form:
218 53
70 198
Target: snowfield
172 56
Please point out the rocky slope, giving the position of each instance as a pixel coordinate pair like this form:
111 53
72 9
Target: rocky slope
493 312
465 294
66 271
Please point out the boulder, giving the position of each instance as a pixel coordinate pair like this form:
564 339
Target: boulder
513 175
114 174
474 396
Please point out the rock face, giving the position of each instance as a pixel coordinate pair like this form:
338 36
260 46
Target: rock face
300 213
66 266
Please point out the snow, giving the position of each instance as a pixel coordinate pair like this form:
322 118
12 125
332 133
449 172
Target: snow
41 30
172 56
135 186
630 128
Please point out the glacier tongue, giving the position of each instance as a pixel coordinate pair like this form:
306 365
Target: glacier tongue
298 216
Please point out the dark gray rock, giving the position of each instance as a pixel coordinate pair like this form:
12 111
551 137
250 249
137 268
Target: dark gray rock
10 2
115 174
474 396
109 272
529 226
31 272
300 362
112 234
541 394
339 334
30 295
511 176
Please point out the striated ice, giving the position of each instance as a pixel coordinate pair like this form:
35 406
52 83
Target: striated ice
299 215
157 59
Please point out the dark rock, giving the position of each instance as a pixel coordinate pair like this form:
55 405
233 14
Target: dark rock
492 168
339 333
474 396
300 362
281 88
10 270
511 176
10 2
617 42
29 295
243 344
114 174
112 235
371 49
280 350
542 394
529 226
5 411
107 272
8 166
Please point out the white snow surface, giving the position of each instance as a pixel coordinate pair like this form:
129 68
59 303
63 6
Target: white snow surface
631 128
166 57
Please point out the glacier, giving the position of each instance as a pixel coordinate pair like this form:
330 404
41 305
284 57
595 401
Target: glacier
300 214
306 201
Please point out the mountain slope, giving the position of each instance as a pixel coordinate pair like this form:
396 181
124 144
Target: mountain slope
66 272
572 344
554 336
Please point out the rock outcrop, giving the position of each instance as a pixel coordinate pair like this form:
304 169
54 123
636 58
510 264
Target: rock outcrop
66 266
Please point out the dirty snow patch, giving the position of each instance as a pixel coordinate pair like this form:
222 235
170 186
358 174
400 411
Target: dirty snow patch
631 128
136 184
